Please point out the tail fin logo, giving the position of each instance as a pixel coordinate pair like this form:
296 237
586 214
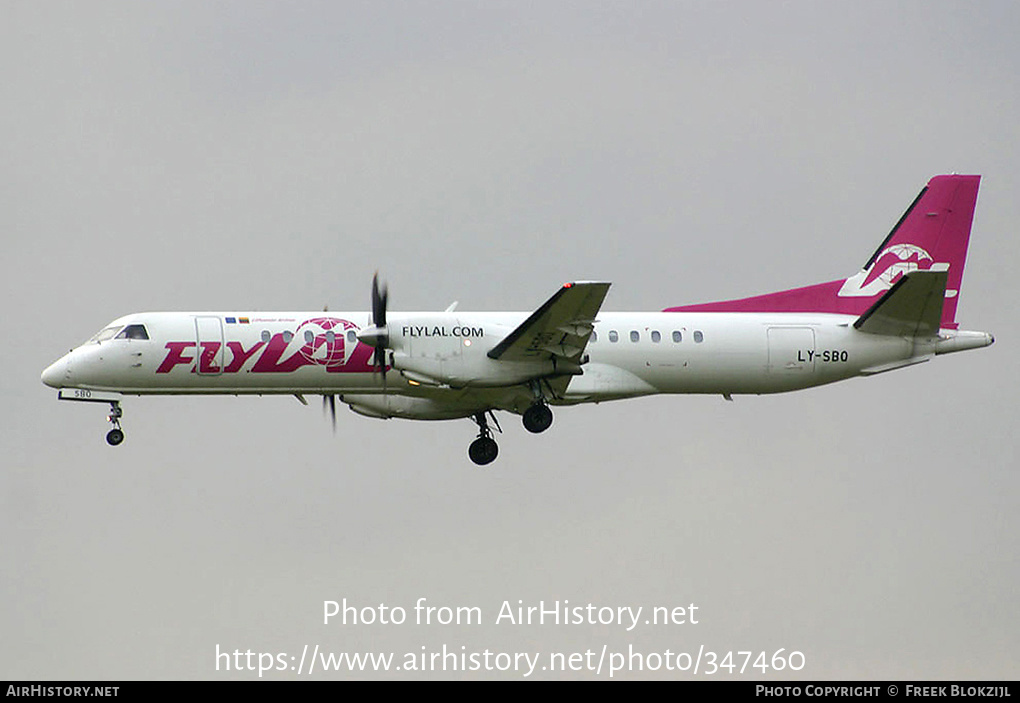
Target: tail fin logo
892 263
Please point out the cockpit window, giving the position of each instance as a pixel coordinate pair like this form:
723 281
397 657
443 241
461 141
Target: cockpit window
133 332
106 334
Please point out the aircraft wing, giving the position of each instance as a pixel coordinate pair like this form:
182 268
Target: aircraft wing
559 330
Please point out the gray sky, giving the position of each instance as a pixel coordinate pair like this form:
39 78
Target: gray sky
239 155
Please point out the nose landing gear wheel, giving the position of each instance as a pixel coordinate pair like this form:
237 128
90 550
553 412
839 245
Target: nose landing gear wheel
537 418
483 451
116 435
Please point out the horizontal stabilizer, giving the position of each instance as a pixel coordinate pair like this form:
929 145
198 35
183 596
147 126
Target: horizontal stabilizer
911 308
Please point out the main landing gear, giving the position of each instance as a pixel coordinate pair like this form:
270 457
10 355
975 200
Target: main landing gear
484 449
537 418
116 435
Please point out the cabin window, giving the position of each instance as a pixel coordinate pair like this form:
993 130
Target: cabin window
266 336
677 337
594 336
133 332
352 336
635 335
698 337
330 337
287 336
613 336
656 337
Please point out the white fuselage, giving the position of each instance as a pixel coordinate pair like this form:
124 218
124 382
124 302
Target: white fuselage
441 358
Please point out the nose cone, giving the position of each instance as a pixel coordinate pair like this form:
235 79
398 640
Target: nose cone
55 373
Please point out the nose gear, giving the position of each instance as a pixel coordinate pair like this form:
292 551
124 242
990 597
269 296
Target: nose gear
116 435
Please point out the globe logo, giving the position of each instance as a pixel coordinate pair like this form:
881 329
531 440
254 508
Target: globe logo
893 262
324 341
898 260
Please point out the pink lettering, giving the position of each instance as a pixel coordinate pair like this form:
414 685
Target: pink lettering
269 360
240 355
175 356
209 351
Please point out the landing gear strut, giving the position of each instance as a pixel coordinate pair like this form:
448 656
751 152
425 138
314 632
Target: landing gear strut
116 435
484 449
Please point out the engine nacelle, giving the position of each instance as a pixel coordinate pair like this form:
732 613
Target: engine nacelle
384 407
451 350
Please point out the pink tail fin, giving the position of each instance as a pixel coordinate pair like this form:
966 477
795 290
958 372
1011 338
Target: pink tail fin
932 235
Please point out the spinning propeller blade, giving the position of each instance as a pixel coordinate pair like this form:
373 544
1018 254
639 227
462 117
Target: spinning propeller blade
379 303
329 401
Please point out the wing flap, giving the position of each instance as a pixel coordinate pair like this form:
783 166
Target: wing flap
559 329
911 308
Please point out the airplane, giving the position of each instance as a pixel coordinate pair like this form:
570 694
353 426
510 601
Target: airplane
898 310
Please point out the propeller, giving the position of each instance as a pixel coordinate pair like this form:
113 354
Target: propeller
329 402
376 334
380 338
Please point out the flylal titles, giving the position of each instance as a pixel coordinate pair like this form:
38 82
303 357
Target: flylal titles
441 331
